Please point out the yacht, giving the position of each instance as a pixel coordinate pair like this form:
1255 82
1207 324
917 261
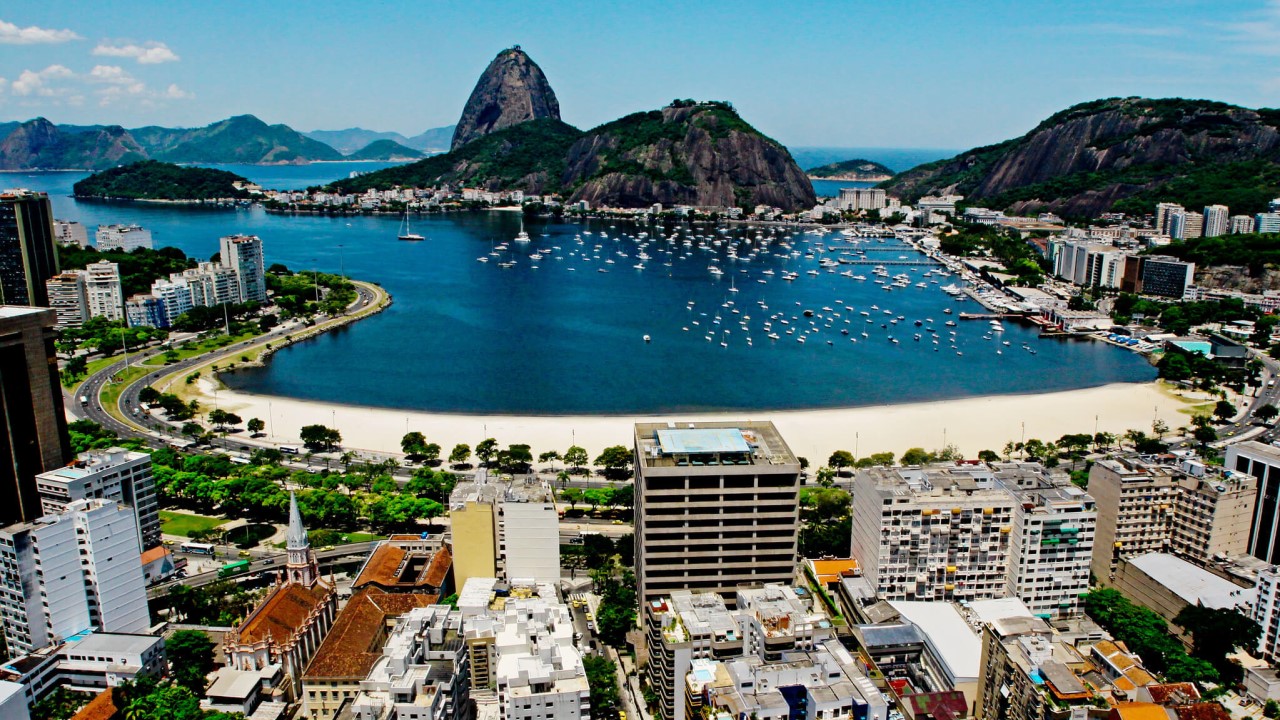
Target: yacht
406 234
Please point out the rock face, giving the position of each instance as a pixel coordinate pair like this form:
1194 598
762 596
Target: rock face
700 154
511 90
39 143
1085 159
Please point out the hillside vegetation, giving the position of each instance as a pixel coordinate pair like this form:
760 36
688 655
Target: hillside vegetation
153 180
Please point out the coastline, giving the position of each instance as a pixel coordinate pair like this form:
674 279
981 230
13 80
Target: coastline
972 424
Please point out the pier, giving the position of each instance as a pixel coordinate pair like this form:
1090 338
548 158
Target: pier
864 261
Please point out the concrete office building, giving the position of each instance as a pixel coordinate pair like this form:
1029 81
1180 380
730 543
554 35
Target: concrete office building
105 291
1157 275
68 298
1263 463
1241 224
64 574
123 237
716 507
243 254
35 426
933 533
27 254
1216 220
114 474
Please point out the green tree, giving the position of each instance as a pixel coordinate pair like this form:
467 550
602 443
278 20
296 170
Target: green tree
1205 435
193 430
431 452
988 456
190 654
76 366
916 456
841 459
573 496
602 679
319 438
516 458
413 443
575 457
1267 413
1271 709
1217 633
616 460
460 454
486 450
255 426
549 456
1224 410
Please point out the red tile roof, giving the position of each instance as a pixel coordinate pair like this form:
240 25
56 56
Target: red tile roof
354 643
283 613
101 707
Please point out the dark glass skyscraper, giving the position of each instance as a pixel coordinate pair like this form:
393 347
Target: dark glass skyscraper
27 254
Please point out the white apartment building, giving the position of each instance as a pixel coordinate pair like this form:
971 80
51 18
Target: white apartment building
70 233
64 574
243 254
1216 220
1241 224
529 534
522 646
145 311
423 672
104 289
1053 528
933 533
176 297
96 661
774 620
123 237
855 198
680 630
1090 264
1186 225
68 298
211 284
114 474
1164 216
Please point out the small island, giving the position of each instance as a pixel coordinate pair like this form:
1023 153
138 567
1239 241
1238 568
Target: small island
160 181
385 151
858 170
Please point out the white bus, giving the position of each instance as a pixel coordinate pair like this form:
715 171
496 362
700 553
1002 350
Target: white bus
197 548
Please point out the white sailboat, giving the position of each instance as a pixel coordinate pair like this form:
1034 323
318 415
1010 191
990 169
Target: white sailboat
522 236
406 234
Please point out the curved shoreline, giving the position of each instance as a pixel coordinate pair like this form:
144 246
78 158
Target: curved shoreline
972 424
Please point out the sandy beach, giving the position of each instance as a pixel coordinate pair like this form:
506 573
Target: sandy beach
972 424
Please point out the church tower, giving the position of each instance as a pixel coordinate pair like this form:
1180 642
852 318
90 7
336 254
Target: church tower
302 567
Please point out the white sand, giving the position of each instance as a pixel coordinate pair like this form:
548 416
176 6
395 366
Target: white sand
972 424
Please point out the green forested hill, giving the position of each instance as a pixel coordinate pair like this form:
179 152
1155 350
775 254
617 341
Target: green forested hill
154 180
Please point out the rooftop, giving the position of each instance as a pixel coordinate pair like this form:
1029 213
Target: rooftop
395 568
951 638
354 643
283 613
1193 584
114 643
88 463
711 444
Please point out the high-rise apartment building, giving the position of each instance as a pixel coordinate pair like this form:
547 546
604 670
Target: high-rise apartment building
114 474
1053 527
1027 671
1187 509
1164 216
27 254
176 298
1216 220
1185 225
1266 612
473 524
1241 224
71 234
145 311
716 507
35 427
211 284
68 298
861 199
510 530
933 533
1268 222
123 237
64 574
105 290
243 253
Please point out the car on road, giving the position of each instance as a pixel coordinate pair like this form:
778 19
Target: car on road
591 627
269 561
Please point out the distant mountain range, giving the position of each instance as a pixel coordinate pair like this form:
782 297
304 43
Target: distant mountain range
40 144
352 139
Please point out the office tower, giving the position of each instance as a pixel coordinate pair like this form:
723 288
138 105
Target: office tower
1216 219
123 237
716 507
27 253
1263 463
64 574
68 298
105 291
34 437
243 253
114 474
1158 275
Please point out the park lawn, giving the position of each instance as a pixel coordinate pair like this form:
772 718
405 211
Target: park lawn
359 537
201 347
111 391
91 367
176 523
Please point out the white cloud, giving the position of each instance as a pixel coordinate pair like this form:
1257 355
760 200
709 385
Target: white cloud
31 82
174 92
11 34
1258 33
151 53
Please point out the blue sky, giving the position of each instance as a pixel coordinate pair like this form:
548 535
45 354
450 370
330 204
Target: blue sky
851 73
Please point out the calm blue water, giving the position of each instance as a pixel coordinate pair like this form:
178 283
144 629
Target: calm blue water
467 336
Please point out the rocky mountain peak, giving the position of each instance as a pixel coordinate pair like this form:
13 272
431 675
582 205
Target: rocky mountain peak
511 90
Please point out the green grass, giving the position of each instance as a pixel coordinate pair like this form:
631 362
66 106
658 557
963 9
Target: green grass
91 367
176 523
359 537
190 350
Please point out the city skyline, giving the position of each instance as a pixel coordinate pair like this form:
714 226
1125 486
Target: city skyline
806 79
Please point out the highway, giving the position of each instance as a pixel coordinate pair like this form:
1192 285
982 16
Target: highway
267 563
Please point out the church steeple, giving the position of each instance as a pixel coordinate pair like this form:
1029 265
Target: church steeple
301 566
